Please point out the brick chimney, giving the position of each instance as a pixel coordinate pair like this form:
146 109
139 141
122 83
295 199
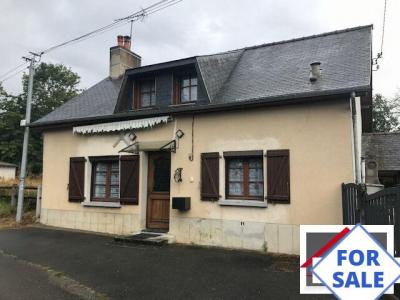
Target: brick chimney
122 58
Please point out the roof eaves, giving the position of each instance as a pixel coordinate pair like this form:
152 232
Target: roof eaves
269 101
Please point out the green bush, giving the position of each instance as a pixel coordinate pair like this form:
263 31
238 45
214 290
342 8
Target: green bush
5 209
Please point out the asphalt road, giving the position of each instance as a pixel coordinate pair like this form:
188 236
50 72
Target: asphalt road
39 263
20 281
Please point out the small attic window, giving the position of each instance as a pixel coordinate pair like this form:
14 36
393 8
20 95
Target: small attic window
185 90
145 93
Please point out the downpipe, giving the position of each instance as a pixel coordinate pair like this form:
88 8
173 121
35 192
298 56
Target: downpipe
356 138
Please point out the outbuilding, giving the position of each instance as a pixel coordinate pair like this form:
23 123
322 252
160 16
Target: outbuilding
7 171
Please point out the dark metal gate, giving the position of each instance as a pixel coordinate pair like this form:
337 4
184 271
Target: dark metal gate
353 196
380 208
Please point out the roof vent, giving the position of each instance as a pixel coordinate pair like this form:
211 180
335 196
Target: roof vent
315 71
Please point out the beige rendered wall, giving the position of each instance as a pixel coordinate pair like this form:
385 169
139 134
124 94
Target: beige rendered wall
319 139
7 173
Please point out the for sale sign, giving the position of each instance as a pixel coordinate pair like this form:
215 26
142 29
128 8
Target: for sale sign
354 263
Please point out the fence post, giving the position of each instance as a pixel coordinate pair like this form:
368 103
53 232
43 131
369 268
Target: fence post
38 201
363 203
13 196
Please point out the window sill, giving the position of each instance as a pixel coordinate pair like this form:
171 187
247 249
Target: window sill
247 203
144 108
183 104
101 204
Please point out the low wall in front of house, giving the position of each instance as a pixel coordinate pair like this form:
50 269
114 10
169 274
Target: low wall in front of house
92 220
259 236
249 235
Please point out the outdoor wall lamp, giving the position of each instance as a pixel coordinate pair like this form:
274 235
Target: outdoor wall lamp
132 136
178 175
179 134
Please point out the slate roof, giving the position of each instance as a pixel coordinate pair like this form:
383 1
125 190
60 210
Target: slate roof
283 68
384 148
277 70
97 101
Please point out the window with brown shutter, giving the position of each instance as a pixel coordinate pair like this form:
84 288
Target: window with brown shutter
76 184
278 176
129 179
210 176
105 178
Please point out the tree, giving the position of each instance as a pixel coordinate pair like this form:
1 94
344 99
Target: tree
384 114
53 86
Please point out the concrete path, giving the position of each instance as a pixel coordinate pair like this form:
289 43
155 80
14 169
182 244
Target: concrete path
59 264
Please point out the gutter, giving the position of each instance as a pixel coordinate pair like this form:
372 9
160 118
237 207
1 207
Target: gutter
174 110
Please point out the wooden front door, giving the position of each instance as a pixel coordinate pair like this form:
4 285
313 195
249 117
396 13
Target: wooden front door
158 187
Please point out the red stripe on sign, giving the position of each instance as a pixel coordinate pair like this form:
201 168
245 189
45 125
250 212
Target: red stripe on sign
326 247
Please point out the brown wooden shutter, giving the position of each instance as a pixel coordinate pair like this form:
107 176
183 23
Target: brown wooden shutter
210 176
129 179
278 176
76 186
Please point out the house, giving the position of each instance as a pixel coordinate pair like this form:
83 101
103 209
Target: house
234 149
7 171
380 152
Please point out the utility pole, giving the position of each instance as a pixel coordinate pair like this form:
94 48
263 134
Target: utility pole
25 123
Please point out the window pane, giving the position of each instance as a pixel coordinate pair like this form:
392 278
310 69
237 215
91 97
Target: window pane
255 175
161 175
185 97
153 98
147 86
114 192
101 167
194 81
193 93
185 82
114 178
100 191
235 189
146 100
256 189
115 166
236 163
255 163
100 178
235 174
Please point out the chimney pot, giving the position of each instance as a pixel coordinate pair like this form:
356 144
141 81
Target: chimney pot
127 42
315 71
120 40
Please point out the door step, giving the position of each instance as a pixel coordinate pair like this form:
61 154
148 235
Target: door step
145 237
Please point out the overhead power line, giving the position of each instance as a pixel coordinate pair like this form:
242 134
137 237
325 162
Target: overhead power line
383 26
380 54
14 72
139 15
119 22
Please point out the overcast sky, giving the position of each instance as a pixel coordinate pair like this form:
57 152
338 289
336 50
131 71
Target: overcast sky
191 27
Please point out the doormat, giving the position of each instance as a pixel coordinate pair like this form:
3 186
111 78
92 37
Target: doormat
143 235
143 238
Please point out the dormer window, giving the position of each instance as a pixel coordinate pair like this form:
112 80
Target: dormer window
186 89
145 93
